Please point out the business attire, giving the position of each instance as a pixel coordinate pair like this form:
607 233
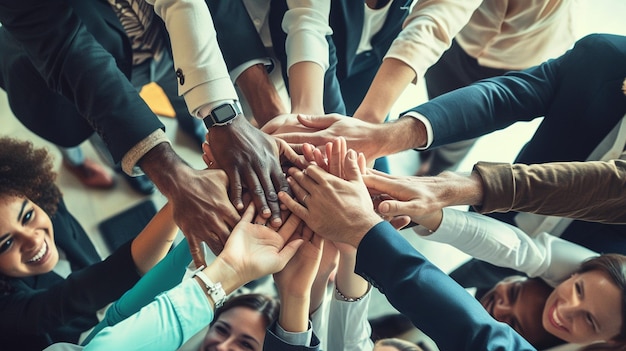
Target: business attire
59 47
47 308
591 191
435 304
580 96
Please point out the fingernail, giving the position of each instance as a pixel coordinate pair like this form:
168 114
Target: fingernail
351 155
384 207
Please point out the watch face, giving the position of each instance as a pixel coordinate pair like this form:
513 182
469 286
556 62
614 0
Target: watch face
224 113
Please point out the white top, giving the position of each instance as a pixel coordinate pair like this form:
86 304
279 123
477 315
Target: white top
545 256
373 21
343 326
504 34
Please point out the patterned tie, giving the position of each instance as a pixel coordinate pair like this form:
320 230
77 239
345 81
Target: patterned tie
144 34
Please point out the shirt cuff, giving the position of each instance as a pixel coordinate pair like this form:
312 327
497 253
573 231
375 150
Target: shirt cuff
300 338
237 71
427 125
132 157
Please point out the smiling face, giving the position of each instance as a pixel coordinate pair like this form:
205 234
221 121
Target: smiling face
585 308
519 302
239 328
27 245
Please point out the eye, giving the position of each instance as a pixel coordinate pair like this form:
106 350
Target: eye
220 330
246 345
579 289
6 245
28 216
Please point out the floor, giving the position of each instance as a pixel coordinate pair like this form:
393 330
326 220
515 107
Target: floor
93 206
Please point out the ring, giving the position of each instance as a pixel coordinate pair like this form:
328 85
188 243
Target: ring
304 198
304 172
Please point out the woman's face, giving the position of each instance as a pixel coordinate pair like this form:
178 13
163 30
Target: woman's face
519 302
585 308
239 328
27 245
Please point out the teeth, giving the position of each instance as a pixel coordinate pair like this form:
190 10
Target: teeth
556 319
40 254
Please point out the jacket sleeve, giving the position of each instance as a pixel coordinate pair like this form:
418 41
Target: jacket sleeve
273 342
82 293
592 191
433 301
488 239
73 64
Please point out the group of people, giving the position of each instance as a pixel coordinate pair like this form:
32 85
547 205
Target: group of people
289 189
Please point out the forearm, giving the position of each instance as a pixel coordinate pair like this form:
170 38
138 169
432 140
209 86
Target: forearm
593 191
390 81
306 88
294 313
348 283
402 134
261 94
155 240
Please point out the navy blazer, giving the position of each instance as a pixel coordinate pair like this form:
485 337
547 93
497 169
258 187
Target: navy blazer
579 94
436 304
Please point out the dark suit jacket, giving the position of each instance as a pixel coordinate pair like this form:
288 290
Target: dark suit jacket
73 64
47 308
579 94
437 305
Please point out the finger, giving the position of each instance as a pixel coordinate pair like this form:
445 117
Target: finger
258 195
351 168
271 195
362 163
236 189
196 252
307 233
248 213
380 174
395 208
320 159
381 184
293 206
307 150
283 185
400 222
298 191
288 251
289 227
305 177
318 122
317 241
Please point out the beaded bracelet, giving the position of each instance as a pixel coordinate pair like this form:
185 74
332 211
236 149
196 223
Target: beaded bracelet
349 299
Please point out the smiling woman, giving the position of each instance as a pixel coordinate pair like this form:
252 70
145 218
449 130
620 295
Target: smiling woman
41 302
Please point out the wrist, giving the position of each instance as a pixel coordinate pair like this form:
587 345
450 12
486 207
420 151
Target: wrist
226 274
356 233
161 157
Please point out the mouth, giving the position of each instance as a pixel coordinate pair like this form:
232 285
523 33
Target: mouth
41 255
555 320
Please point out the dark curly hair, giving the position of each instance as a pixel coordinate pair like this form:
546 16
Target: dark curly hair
28 171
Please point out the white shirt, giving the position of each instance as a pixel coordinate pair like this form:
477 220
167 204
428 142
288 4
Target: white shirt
545 256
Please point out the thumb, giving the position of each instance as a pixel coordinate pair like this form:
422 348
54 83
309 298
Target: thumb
392 208
351 167
400 222
288 251
318 122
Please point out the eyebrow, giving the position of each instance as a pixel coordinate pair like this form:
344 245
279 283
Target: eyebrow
245 336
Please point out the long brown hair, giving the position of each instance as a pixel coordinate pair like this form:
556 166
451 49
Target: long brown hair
267 306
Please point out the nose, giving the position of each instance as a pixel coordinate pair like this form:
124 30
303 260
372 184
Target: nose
569 308
225 345
30 239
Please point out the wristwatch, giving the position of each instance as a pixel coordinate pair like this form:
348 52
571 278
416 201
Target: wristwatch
222 115
214 290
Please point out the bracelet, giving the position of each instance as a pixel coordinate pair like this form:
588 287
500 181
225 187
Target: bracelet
214 290
349 299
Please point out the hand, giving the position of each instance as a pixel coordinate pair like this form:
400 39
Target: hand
324 129
412 196
286 123
250 156
199 198
254 250
337 209
298 275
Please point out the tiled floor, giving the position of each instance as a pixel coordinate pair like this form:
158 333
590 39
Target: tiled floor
93 206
